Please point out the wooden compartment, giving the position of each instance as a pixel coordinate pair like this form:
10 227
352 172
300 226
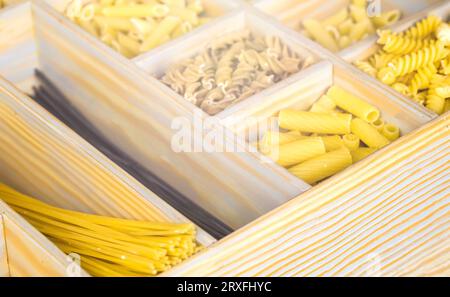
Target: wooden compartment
301 95
132 110
212 8
157 62
71 175
292 12
367 48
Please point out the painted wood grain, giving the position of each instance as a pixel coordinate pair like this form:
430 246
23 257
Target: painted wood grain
71 173
4 267
134 111
29 252
18 56
388 216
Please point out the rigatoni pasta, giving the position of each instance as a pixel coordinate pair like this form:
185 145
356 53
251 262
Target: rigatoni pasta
136 26
233 68
339 130
415 62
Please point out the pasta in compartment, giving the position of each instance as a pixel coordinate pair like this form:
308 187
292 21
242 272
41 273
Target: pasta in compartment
415 62
348 25
108 246
233 68
133 27
339 130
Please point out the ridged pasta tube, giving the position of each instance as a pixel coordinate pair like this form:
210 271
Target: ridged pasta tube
354 105
277 138
332 143
368 134
378 124
351 141
391 132
298 151
322 167
362 153
412 62
312 122
321 35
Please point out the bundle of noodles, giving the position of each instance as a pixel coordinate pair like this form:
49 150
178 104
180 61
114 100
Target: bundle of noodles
55 102
108 246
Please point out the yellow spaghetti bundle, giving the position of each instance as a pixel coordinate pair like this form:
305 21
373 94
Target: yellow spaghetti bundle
410 61
349 25
320 144
136 26
108 246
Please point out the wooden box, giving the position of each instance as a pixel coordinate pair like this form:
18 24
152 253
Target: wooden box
390 210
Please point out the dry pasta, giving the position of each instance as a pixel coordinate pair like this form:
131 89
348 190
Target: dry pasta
320 144
298 151
108 246
133 27
233 68
324 166
348 25
313 122
352 104
415 63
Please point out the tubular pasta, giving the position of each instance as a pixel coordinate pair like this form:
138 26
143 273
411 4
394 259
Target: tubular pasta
352 104
391 132
311 122
332 143
362 153
298 151
319 168
351 141
368 134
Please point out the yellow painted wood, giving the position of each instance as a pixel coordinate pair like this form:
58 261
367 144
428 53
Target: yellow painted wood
389 215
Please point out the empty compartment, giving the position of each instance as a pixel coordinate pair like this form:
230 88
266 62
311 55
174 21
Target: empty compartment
329 137
131 110
250 57
336 25
384 57
132 31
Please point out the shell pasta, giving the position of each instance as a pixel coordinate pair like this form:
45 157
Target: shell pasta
316 145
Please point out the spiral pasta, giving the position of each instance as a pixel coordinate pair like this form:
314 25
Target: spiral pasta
320 144
409 61
412 62
136 26
233 68
348 25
